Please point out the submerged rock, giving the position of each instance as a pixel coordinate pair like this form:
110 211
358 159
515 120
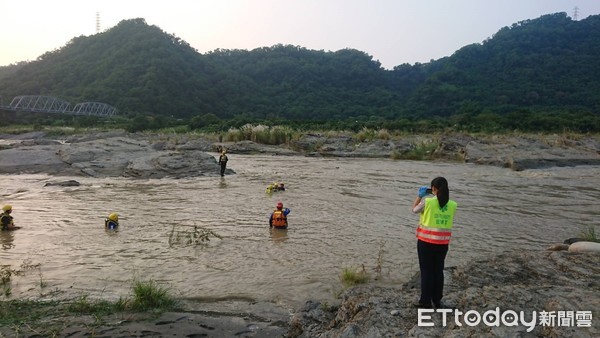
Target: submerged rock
69 183
558 247
573 240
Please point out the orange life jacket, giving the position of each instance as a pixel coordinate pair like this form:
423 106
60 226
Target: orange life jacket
279 219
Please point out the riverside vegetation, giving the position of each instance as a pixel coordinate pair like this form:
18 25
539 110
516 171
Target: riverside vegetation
423 145
48 316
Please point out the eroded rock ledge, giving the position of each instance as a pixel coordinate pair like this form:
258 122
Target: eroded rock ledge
156 156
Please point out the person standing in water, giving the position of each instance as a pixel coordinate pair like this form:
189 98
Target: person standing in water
223 162
433 237
278 219
112 222
6 220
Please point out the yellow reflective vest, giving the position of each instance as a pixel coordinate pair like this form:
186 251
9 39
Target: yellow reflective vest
435 223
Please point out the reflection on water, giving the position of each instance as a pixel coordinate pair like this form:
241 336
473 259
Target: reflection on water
344 212
7 238
222 183
279 235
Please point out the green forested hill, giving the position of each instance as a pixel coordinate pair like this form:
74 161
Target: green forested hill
551 63
133 66
546 65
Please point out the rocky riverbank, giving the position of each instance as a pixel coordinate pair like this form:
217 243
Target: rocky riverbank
555 282
157 156
541 284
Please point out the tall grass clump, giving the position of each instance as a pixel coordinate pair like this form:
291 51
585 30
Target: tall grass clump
149 296
383 134
16 129
395 155
48 317
6 273
273 135
242 133
260 134
368 134
422 151
378 266
84 305
352 276
589 234
365 134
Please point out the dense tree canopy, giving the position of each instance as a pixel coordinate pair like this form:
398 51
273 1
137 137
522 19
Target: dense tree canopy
542 71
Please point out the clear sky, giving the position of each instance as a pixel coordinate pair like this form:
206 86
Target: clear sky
392 31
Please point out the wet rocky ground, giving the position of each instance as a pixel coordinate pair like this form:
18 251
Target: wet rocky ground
556 282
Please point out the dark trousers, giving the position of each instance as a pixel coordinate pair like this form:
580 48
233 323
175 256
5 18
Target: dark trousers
431 264
223 165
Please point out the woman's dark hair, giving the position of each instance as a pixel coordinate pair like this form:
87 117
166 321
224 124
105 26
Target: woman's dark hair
443 194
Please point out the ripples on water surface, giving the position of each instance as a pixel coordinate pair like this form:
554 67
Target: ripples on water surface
343 212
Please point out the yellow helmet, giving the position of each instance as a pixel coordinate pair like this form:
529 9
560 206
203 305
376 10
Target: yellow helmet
113 217
7 207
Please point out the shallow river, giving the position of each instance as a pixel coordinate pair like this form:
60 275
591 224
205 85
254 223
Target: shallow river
345 213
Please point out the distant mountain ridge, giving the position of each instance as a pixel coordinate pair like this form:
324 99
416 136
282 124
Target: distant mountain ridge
546 64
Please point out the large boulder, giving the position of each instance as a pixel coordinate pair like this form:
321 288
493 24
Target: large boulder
108 155
587 247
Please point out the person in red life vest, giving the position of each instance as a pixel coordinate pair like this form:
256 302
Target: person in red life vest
433 237
278 219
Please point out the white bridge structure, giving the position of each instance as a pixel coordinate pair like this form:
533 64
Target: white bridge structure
50 104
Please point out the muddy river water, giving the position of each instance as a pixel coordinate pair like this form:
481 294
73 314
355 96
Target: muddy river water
345 213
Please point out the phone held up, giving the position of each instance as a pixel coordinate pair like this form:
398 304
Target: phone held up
429 192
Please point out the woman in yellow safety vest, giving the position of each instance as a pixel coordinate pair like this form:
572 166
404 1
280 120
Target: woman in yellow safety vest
433 237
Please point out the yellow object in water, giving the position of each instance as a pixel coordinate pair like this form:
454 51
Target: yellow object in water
113 217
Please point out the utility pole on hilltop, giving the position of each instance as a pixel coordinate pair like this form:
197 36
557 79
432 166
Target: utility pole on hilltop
575 13
97 22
